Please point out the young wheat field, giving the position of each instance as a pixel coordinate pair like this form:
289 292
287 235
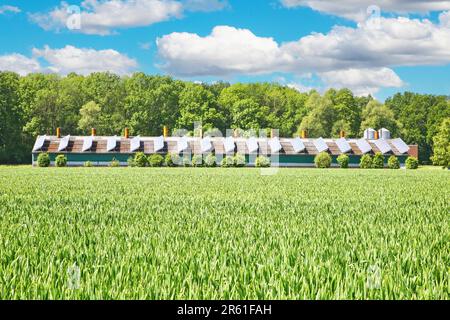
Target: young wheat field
90 233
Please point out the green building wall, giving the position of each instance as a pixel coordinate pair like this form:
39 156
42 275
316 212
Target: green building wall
301 160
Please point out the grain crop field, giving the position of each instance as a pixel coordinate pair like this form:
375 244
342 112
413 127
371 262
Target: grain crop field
90 233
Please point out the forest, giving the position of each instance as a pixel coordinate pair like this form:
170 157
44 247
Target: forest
37 104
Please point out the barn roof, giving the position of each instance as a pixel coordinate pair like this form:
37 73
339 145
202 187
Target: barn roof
52 144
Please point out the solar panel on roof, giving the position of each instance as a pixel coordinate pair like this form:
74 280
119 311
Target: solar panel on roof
275 145
135 144
298 145
343 145
320 145
87 143
400 145
383 146
364 146
252 145
39 143
111 143
229 144
182 144
159 144
64 143
206 145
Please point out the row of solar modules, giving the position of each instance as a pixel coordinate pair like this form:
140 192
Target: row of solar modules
229 145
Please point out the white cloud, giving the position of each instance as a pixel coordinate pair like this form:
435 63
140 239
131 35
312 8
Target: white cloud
7 8
102 17
68 59
363 51
226 51
358 9
19 63
362 81
85 61
444 19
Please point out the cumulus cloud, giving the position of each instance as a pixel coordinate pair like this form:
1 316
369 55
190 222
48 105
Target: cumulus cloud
7 8
19 63
85 61
103 17
356 52
362 81
226 51
68 59
360 9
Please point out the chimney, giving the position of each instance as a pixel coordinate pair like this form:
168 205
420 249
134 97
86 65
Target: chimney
304 134
127 133
342 134
58 133
166 131
273 133
93 132
376 135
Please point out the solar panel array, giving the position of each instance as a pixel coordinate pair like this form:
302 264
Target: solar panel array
182 145
364 146
87 143
206 145
343 145
39 143
252 145
298 145
320 145
159 144
135 144
383 146
229 145
400 145
111 144
275 145
64 143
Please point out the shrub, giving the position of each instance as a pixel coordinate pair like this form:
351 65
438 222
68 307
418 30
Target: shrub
412 163
88 164
197 161
140 160
156 160
366 162
322 160
227 162
239 160
343 161
262 162
131 162
43 160
378 161
211 161
186 162
61 161
172 160
393 163
114 163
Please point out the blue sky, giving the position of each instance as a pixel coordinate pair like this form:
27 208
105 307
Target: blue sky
303 44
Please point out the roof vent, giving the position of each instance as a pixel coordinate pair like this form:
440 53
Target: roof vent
384 134
369 134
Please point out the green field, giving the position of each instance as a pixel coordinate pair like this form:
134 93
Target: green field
108 233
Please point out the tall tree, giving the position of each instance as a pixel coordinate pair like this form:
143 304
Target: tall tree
90 116
377 115
441 155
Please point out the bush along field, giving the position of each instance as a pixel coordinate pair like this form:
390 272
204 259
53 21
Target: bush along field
176 233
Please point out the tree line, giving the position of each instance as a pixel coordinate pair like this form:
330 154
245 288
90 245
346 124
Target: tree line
37 104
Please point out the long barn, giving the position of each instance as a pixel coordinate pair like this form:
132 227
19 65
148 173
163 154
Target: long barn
285 152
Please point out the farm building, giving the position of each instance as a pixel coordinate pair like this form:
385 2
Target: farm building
285 152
